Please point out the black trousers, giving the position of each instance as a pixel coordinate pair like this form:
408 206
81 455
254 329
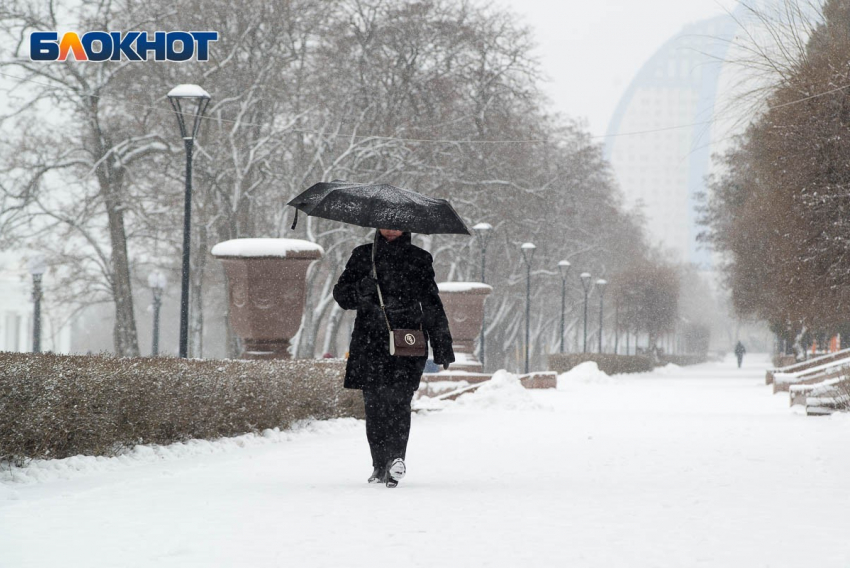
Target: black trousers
387 421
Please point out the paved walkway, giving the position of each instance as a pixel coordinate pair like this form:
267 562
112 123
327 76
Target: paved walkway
700 466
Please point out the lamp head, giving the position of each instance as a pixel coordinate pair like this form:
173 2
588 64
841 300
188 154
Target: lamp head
527 252
157 280
483 231
192 101
564 268
601 285
37 265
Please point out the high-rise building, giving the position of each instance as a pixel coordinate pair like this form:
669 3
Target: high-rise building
661 136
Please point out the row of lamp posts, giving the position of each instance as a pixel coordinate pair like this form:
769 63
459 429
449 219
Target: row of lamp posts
483 232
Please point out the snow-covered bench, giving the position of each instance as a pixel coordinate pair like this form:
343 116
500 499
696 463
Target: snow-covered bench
830 400
817 374
798 394
808 364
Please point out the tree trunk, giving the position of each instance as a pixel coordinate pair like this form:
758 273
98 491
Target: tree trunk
334 320
196 298
124 333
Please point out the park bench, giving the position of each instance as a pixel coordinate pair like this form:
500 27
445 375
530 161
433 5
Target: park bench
798 394
808 364
819 373
828 399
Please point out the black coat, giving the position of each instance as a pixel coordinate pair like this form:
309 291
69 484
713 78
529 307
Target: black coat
406 276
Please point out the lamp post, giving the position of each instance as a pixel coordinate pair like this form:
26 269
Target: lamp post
616 325
527 255
37 268
157 282
601 285
586 285
195 99
564 269
483 233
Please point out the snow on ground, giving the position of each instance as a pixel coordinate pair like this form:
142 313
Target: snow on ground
586 373
698 466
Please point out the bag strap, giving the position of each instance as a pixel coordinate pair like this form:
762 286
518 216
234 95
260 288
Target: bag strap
375 276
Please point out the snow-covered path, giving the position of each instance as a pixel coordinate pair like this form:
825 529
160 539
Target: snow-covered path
699 466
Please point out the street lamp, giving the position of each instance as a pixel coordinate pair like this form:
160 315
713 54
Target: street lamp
37 267
564 269
157 282
483 233
617 325
586 285
527 256
601 285
195 99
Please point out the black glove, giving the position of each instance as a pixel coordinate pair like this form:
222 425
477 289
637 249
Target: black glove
367 290
444 359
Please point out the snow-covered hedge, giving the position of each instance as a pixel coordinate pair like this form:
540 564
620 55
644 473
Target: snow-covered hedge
608 363
54 406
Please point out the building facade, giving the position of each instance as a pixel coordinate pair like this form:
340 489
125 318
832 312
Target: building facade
662 134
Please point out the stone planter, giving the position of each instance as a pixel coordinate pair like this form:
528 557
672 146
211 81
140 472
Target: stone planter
267 289
464 305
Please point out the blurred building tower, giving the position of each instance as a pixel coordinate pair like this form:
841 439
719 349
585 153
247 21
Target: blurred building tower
660 138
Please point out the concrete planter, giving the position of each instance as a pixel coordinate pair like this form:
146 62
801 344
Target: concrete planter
464 305
267 289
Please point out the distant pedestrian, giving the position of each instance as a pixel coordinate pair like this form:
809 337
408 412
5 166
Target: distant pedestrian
739 353
405 296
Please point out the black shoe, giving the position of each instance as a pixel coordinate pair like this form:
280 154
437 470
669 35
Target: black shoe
395 472
379 475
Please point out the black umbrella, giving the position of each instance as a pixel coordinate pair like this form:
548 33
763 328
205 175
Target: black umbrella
380 206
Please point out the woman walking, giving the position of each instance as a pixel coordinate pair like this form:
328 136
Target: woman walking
404 296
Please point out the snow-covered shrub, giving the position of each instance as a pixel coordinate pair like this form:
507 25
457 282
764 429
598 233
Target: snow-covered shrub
54 406
608 363
842 390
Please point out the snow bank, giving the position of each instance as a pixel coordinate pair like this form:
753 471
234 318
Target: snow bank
264 247
503 392
584 373
7 493
668 369
39 471
464 287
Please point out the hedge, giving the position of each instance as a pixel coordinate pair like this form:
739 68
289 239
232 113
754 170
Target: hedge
55 406
683 360
609 363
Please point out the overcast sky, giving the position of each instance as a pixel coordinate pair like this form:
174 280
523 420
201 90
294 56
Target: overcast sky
592 49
